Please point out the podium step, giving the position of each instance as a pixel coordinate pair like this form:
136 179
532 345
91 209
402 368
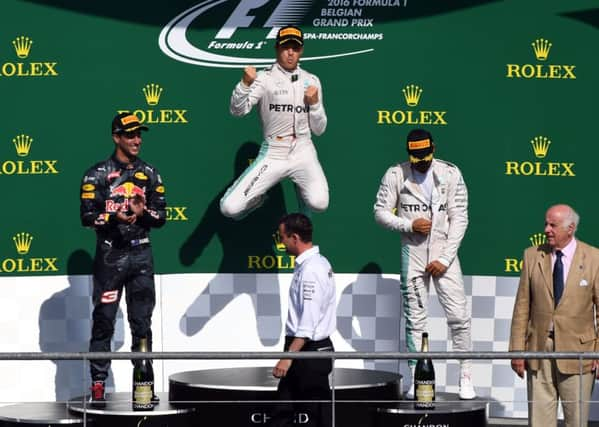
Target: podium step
449 410
48 414
119 413
247 396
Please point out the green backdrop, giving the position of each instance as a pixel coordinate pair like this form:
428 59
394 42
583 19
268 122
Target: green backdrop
485 94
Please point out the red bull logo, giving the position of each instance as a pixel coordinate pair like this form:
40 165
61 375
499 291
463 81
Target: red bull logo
126 191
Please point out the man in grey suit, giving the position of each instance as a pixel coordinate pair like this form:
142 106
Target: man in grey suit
556 311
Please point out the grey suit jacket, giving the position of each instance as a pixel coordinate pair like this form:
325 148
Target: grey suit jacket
574 319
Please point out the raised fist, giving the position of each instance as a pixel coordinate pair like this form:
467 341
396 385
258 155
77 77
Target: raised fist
249 75
311 95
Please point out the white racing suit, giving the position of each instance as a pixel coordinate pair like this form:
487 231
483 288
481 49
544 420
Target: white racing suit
287 150
449 215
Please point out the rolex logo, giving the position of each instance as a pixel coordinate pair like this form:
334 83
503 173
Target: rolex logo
176 213
412 95
411 116
22 242
280 260
538 239
278 244
514 265
541 48
540 146
152 92
22 46
22 144
21 68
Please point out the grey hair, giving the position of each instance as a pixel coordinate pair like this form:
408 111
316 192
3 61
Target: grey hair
572 218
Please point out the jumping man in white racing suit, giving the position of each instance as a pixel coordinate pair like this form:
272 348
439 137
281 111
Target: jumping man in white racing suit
291 108
426 200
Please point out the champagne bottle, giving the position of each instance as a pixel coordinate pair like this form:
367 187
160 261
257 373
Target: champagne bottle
424 379
143 381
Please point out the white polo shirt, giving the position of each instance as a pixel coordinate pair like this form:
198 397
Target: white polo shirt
312 311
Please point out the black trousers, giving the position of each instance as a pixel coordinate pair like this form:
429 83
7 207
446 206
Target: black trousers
131 268
307 379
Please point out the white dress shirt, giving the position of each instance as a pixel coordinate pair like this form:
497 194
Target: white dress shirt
312 309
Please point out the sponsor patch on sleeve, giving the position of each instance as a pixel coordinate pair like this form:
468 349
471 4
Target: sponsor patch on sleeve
308 291
88 195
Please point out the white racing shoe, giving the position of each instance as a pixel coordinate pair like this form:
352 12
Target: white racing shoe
410 393
466 391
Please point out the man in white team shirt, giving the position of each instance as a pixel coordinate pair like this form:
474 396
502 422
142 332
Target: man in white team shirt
311 320
426 201
290 104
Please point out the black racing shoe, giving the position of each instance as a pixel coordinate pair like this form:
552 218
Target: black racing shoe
98 394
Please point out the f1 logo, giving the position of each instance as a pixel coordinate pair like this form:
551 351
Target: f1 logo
288 12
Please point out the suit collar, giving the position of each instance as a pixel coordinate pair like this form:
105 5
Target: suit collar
576 268
415 188
544 260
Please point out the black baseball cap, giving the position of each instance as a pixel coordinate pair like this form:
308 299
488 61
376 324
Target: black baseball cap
126 122
288 34
419 145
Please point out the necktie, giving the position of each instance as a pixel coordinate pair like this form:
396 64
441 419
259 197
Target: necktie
558 277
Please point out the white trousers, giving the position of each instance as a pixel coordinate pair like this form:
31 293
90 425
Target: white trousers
450 291
294 159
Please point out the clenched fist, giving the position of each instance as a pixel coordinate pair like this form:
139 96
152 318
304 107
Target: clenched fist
249 75
422 225
311 95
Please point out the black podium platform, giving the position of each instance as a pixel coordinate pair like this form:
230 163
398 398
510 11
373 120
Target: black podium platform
257 383
118 412
365 398
239 396
51 414
449 410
